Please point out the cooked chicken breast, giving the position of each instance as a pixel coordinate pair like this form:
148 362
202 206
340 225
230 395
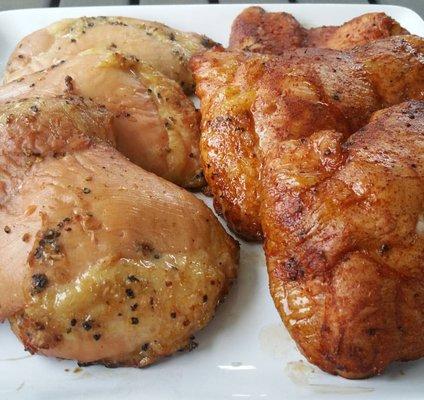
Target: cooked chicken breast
101 261
165 49
337 90
259 31
156 125
344 228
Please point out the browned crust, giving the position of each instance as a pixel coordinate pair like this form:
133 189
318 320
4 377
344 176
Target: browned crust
259 31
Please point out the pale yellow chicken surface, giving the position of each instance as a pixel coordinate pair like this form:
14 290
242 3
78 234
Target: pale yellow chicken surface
165 49
100 261
156 125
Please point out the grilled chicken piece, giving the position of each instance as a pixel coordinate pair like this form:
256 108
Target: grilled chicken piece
165 49
101 261
340 91
344 227
259 31
156 124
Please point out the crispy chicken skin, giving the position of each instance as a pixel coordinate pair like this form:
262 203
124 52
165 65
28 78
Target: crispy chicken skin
165 49
156 124
344 228
101 261
324 88
259 31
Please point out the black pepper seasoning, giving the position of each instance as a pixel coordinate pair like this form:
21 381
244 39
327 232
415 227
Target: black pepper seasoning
39 282
384 248
134 320
87 325
133 278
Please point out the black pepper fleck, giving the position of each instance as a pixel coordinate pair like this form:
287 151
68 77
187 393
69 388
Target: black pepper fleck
87 325
130 293
134 320
39 282
384 248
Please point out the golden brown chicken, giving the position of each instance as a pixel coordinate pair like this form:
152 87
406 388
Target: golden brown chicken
344 228
338 90
100 261
259 31
165 49
156 124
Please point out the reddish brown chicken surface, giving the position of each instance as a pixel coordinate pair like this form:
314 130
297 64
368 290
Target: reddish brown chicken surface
318 88
344 228
100 261
259 31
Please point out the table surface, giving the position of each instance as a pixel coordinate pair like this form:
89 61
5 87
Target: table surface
416 5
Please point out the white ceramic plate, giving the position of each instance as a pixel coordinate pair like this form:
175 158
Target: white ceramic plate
244 352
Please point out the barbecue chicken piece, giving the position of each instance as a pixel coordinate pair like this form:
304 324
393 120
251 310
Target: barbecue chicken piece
156 124
165 49
101 261
328 88
259 31
344 228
